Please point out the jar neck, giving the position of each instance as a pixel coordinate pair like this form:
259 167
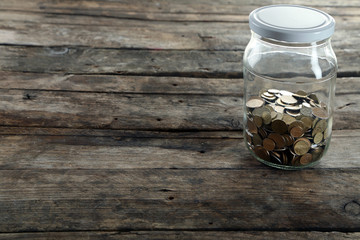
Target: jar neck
278 43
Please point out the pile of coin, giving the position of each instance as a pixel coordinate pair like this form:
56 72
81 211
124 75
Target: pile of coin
287 128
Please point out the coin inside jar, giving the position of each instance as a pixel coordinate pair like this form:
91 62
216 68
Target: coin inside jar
284 129
255 102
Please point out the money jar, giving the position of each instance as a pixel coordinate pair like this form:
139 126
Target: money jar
289 85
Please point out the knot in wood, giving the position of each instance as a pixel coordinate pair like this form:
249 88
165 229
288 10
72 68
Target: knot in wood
352 208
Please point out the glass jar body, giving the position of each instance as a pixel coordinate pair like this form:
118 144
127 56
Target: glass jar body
289 93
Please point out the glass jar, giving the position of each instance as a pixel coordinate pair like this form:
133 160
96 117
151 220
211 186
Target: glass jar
289 85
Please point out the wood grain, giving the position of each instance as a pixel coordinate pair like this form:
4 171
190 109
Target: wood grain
151 199
76 30
169 235
46 149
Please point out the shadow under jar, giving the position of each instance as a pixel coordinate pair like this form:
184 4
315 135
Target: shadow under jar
289 85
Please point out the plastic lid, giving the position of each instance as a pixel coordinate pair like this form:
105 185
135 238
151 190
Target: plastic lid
292 23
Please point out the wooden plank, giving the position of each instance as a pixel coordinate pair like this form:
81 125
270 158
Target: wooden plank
71 149
140 84
84 60
163 6
56 30
117 200
126 84
34 108
169 235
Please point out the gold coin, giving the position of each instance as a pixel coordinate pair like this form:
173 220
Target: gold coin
262 153
315 131
301 146
327 133
288 119
307 121
297 131
305 159
258 121
269 144
255 102
278 139
288 100
279 126
320 113
315 122
251 127
321 124
318 138
266 117
256 139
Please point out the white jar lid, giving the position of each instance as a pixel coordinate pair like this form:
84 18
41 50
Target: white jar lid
292 23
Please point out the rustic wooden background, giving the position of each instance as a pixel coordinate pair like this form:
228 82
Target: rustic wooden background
123 120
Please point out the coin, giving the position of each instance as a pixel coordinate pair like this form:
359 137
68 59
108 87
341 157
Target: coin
259 111
297 131
255 102
301 93
289 140
251 126
302 146
248 137
256 139
306 111
279 109
266 116
279 126
258 121
288 99
314 97
294 108
273 91
269 144
305 159
285 93
318 138
278 139
295 161
288 119
320 113
307 121
296 123
317 153
262 133
284 158
262 153
321 124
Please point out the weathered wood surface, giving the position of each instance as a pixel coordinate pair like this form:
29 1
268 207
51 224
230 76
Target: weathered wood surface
170 235
72 200
116 102
68 149
118 118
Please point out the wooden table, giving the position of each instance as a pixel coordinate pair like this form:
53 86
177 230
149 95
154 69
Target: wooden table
123 120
